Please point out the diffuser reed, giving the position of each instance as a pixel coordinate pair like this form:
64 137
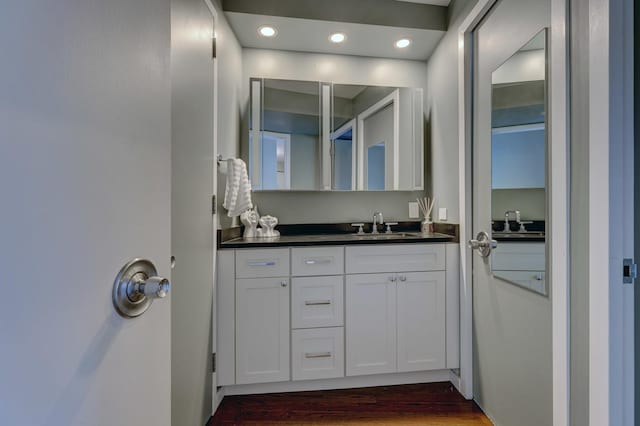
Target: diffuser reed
426 206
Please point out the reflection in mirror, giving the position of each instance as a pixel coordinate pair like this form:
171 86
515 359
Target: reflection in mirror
314 135
343 158
518 166
288 128
352 105
276 160
375 167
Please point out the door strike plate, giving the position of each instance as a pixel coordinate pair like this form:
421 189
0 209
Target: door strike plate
629 271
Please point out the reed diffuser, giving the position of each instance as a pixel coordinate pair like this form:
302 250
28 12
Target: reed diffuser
426 206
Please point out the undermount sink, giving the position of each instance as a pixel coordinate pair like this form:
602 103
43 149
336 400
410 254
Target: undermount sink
393 235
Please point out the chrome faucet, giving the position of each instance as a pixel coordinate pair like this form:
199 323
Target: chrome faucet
507 228
377 220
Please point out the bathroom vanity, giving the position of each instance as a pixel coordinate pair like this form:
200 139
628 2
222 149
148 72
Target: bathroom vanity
335 311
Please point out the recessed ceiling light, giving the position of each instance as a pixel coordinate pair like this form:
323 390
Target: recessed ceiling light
267 31
402 43
337 37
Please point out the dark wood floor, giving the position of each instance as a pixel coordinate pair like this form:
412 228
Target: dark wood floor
424 404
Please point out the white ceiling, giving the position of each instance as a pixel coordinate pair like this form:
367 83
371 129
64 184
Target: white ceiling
306 35
433 2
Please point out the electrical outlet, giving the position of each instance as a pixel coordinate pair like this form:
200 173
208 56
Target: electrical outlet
442 213
414 213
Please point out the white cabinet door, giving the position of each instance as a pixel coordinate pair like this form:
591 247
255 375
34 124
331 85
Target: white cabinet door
421 321
262 330
371 324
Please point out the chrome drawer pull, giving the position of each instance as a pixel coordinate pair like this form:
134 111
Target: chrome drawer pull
317 355
317 262
317 302
269 263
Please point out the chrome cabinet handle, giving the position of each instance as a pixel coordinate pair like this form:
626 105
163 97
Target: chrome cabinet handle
317 355
483 244
393 278
403 277
269 263
317 261
317 302
283 284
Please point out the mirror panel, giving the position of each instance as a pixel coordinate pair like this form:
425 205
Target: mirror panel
340 137
286 114
519 166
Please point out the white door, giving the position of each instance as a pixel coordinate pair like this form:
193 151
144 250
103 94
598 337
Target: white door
85 183
370 324
262 330
512 344
421 321
192 224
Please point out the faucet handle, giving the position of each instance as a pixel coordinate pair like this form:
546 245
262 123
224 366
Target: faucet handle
523 223
359 225
389 225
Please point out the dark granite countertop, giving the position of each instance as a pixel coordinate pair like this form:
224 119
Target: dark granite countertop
337 239
338 234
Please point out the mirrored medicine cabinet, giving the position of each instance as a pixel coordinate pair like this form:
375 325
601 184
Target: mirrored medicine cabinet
324 136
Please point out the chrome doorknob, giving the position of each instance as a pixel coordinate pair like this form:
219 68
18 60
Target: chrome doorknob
136 286
152 287
483 244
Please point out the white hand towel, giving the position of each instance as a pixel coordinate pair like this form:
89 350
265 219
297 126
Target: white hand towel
237 195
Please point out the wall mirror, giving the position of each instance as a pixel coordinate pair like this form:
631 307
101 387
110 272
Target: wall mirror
324 136
519 166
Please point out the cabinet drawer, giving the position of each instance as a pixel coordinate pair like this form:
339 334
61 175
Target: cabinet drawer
395 258
262 263
317 261
317 353
317 302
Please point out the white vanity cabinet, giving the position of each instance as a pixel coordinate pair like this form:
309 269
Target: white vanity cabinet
262 330
396 319
330 314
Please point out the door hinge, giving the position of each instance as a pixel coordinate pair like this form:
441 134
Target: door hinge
629 271
213 362
214 208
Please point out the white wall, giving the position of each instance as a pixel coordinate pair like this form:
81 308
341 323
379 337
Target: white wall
333 207
230 86
441 110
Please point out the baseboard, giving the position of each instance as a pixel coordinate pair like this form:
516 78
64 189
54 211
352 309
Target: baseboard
456 381
343 382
